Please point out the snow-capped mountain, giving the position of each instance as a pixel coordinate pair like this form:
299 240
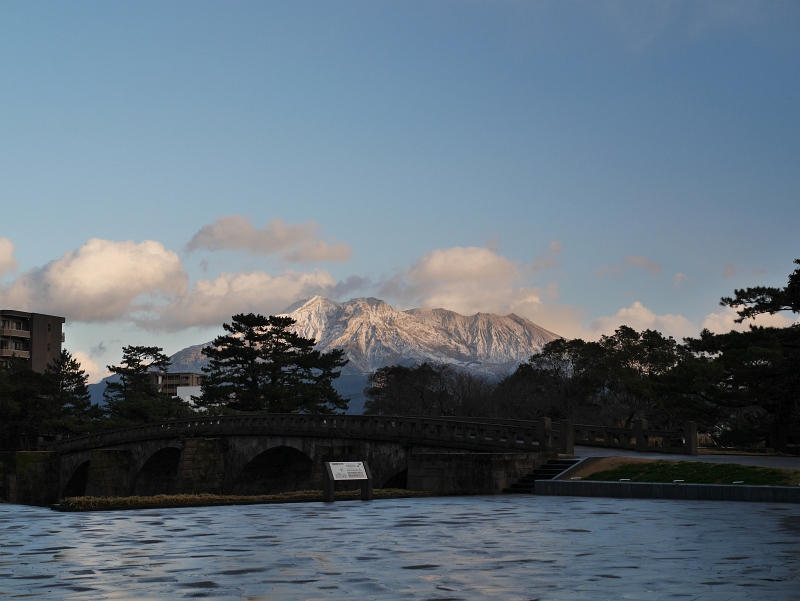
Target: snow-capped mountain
374 334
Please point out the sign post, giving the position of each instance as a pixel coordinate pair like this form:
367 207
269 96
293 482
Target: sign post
345 470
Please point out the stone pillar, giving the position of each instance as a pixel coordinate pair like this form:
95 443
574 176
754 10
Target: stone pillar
567 446
328 483
690 438
11 488
545 444
31 477
639 426
366 485
110 473
202 466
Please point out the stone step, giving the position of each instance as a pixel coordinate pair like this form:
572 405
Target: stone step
548 471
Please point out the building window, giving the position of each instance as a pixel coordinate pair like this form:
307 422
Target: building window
48 347
48 327
3 344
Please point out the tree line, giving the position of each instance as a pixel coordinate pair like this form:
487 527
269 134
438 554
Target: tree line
260 365
741 387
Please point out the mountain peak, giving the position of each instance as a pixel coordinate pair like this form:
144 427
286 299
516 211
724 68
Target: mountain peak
374 334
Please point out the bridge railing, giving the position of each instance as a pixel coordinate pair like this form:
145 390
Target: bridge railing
639 438
452 432
481 434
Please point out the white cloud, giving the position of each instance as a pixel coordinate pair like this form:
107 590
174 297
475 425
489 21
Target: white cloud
462 264
94 370
212 302
549 259
462 279
471 279
639 317
294 242
680 279
101 281
724 321
8 264
616 271
610 271
649 265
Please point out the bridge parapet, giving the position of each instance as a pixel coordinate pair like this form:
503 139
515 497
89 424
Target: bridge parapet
639 438
476 434
447 432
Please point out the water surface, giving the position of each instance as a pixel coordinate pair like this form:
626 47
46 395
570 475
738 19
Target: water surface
494 547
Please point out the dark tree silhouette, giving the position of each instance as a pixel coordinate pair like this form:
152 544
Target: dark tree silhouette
66 381
751 302
262 365
133 399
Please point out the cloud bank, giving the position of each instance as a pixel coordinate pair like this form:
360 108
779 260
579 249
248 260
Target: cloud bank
145 284
468 280
101 281
212 302
725 321
93 369
296 243
472 279
617 271
8 264
639 317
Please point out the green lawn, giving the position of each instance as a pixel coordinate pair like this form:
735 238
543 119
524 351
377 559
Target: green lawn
693 472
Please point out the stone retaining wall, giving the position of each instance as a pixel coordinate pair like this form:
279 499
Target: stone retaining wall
29 476
658 490
471 473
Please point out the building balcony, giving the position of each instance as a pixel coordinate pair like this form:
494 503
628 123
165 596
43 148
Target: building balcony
15 333
7 352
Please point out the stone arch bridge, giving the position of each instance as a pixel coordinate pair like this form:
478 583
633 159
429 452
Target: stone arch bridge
262 454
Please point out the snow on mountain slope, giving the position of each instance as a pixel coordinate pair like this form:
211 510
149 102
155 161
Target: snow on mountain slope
374 334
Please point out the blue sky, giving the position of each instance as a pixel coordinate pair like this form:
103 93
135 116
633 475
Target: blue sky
585 164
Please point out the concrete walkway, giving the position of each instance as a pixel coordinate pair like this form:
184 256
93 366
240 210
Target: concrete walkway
758 460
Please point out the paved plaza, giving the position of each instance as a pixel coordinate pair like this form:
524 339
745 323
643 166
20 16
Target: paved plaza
510 547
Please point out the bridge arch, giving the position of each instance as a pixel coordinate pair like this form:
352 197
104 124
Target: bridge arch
398 480
280 468
76 485
159 473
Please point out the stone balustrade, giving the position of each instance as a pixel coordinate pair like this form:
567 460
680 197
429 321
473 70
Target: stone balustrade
639 438
476 434
447 432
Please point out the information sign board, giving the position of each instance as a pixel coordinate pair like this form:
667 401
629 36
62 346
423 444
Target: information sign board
348 470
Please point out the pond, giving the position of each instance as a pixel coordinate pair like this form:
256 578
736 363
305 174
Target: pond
483 547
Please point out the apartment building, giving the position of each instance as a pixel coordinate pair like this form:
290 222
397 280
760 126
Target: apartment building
34 337
169 382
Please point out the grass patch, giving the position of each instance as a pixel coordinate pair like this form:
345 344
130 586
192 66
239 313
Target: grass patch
204 500
695 472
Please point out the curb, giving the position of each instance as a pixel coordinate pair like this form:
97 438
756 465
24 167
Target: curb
663 490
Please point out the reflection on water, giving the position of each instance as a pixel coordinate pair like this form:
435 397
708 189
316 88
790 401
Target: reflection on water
499 547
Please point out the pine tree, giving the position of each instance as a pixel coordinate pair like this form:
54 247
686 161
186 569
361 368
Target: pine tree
133 399
262 365
66 382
